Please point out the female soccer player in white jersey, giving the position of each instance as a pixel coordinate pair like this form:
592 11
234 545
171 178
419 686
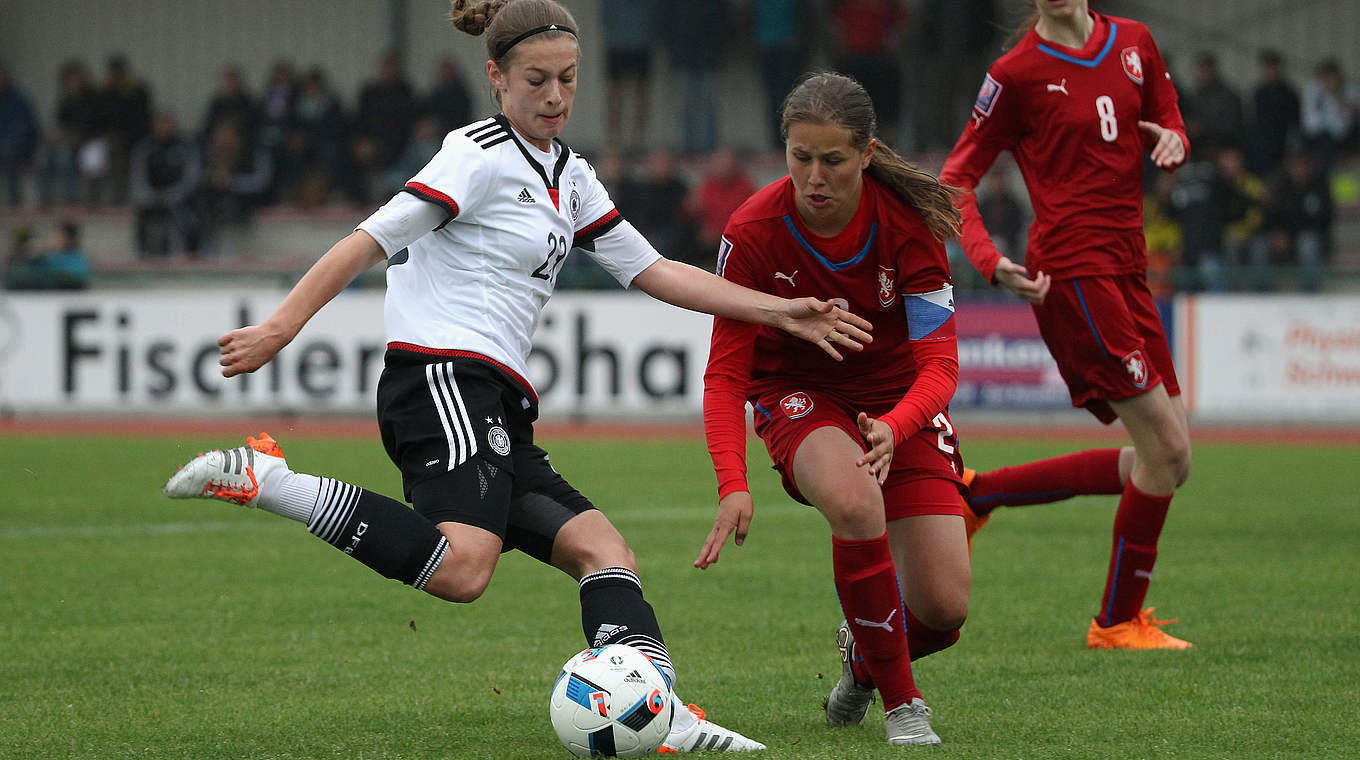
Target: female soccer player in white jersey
473 245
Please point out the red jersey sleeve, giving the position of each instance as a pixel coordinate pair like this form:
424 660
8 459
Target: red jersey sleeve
726 378
933 335
994 126
1161 105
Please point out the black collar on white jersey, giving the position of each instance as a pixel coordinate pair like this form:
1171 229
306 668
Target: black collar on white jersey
561 164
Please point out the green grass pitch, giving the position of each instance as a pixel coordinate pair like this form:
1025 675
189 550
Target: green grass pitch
132 626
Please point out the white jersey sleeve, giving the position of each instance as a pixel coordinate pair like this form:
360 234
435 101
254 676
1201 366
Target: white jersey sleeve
609 239
402 221
457 179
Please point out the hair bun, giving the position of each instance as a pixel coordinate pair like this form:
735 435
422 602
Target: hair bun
474 17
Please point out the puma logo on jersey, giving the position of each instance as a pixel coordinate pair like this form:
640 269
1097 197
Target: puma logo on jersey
525 197
1060 87
885 625
789 277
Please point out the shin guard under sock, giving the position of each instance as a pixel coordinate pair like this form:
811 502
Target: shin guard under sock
867 584
614 612
382 533
1137 527
1084 472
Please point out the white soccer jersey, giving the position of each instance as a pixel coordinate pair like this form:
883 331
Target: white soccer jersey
476 284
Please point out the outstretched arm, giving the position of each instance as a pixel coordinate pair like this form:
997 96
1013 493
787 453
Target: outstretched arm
249 348
815 321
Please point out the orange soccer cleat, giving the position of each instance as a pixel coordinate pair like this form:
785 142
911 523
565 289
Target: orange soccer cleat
1142 632
971 522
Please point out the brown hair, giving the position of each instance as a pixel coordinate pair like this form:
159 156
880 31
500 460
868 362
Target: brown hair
505 21
831 98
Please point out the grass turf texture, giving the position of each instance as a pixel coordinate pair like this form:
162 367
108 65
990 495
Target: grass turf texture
135 626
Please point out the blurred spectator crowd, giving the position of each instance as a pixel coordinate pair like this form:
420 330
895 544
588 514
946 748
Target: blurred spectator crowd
1255 200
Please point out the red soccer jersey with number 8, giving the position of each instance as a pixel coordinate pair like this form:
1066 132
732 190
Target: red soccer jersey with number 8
1070 117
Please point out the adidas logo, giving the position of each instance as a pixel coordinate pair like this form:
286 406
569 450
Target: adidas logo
525 197
607 631
634 677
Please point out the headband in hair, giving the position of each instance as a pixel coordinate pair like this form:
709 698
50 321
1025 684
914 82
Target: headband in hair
538 30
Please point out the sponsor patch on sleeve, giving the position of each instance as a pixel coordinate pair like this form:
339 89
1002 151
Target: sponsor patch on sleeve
987 95
724 248
928 312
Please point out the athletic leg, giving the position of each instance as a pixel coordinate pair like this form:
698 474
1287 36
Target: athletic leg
850 499
554 523
1160 433
378 531
1094 471
930 553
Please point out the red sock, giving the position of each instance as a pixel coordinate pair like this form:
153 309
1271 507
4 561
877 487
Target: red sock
1137 526
867 584
1047 480
924 640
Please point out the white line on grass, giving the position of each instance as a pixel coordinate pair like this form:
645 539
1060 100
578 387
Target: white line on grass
141 529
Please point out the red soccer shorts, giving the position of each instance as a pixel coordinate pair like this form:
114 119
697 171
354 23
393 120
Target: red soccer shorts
924 478
1107 338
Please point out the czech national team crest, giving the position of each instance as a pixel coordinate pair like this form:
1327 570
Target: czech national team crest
796 405
1133 64
1137 368
887 292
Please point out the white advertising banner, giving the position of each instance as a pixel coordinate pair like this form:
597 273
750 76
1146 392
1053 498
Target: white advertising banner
1263 358
602 354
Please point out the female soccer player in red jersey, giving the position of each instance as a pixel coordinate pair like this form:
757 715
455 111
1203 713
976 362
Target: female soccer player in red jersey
1076 101
868 442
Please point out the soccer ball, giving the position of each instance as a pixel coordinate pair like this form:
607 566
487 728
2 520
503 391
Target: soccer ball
611 701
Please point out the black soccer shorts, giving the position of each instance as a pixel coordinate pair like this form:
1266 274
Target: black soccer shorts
462 435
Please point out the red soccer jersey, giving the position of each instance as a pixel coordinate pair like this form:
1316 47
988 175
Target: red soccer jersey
1070 117
885 266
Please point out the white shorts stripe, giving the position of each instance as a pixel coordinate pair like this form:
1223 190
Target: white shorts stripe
461 416
434 377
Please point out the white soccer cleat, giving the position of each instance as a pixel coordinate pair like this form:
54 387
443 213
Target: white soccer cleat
910 724
233 475
703 735
848 701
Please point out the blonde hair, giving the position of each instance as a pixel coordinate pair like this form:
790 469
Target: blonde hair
505 21
831 98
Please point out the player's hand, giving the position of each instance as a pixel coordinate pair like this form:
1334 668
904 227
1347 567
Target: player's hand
826 325
734 514
1016 279
248 348
1168 151
880 437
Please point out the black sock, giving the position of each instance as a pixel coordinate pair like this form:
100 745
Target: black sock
614 612
382 533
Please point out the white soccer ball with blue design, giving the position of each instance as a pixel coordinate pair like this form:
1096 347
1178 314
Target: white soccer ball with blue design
612 702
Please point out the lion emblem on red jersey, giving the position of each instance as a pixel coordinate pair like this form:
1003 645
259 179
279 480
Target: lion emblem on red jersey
1137 368
1133 64
886 294
796 404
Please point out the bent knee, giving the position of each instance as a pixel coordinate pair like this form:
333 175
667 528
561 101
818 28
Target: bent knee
462 587
856 519
944 617
579 558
